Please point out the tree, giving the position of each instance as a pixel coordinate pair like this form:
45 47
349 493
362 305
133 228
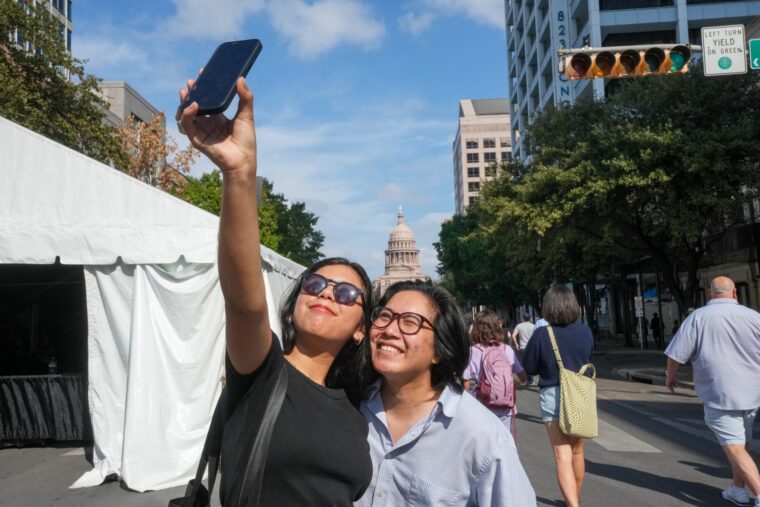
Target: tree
46 90
661 170
288 229
152 153
205 192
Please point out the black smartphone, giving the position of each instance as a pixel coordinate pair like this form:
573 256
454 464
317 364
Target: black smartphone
215 87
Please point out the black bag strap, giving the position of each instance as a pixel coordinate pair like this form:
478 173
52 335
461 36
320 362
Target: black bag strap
196 495
250 491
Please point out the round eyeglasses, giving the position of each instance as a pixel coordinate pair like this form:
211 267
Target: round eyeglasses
345 293
408 322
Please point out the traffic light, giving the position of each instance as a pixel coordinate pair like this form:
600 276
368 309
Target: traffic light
614 62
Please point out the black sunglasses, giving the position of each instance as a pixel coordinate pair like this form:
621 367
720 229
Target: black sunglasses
345 293
408 322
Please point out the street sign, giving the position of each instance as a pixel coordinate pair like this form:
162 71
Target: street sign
638 305
723 50
754 54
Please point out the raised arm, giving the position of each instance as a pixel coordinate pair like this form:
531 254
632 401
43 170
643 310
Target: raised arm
231 145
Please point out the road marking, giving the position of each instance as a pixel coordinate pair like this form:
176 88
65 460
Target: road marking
613 438
75 452
687 426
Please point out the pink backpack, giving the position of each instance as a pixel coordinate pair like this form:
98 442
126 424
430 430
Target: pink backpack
495 385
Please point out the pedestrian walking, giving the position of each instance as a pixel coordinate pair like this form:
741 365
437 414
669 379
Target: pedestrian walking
524 330
722 341
318 453
431 443
657 327
492 368
575 343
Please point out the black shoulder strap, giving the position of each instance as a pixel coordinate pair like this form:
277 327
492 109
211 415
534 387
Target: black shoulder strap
250 490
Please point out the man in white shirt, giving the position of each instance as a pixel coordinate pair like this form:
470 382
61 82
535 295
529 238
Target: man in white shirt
722 342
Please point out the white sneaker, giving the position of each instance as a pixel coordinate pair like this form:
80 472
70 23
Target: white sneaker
738 496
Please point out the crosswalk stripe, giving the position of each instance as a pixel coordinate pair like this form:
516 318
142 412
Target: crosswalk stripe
75 452
613 438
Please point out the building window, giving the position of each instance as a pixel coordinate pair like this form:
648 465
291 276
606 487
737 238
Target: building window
68 10
471 144
611 5
473 186
473 172
68 39
472 158
473 200
489 143
506 156
504 142
489 156
491 171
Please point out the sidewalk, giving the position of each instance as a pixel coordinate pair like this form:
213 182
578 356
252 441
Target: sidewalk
614 360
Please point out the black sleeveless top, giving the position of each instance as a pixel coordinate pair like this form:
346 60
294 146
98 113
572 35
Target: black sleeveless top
318 453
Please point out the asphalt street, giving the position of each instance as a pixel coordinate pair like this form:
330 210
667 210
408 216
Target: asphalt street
653 450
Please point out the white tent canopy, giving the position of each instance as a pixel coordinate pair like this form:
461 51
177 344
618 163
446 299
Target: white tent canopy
154 307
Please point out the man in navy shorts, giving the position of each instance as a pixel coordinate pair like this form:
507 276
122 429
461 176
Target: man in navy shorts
722 341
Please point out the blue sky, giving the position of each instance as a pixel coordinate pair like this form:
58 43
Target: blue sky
356 102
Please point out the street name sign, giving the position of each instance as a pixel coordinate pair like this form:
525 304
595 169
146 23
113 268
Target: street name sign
723 50
754 54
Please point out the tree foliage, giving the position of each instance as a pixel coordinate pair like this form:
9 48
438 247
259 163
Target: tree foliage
286 228
658 171
46 90
153 156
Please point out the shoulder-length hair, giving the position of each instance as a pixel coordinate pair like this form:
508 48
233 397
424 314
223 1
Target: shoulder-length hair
560 306
486 328
452 345
345 370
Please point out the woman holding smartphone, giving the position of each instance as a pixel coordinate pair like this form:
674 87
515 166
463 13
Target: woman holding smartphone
318 453
431 444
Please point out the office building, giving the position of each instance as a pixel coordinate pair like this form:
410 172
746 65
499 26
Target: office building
536 28
123 102
60 10
482 142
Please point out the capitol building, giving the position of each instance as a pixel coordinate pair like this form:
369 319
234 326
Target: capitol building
402 258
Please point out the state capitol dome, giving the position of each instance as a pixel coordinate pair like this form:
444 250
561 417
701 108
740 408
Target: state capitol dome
402 258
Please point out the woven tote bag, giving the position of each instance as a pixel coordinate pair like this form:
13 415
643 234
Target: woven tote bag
577 398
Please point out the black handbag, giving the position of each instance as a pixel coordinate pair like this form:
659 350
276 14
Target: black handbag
196 494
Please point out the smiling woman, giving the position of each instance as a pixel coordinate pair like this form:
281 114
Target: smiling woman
315 451
421 422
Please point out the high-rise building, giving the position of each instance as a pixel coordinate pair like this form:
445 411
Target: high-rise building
60 10
536 28
481 143
402 258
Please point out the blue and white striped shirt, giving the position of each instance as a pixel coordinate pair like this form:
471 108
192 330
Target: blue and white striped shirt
461 454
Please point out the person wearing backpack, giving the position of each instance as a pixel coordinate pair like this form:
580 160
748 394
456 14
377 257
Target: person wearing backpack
489 376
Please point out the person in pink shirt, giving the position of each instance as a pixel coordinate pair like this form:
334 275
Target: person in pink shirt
486 333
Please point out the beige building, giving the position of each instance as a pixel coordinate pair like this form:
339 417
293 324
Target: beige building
481 143
402 258
124 101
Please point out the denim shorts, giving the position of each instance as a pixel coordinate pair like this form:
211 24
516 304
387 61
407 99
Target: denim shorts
731 427
549 400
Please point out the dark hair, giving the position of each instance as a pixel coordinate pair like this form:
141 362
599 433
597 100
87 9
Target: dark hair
526 317
486 328
345 370
560 306
452 345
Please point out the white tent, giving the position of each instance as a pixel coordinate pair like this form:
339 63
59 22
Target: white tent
154 307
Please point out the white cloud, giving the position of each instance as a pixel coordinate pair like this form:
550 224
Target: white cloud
106 52
486 12
204 20
312 29
416 23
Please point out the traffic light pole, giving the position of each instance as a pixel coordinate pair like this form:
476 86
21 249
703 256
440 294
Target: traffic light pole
619 49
